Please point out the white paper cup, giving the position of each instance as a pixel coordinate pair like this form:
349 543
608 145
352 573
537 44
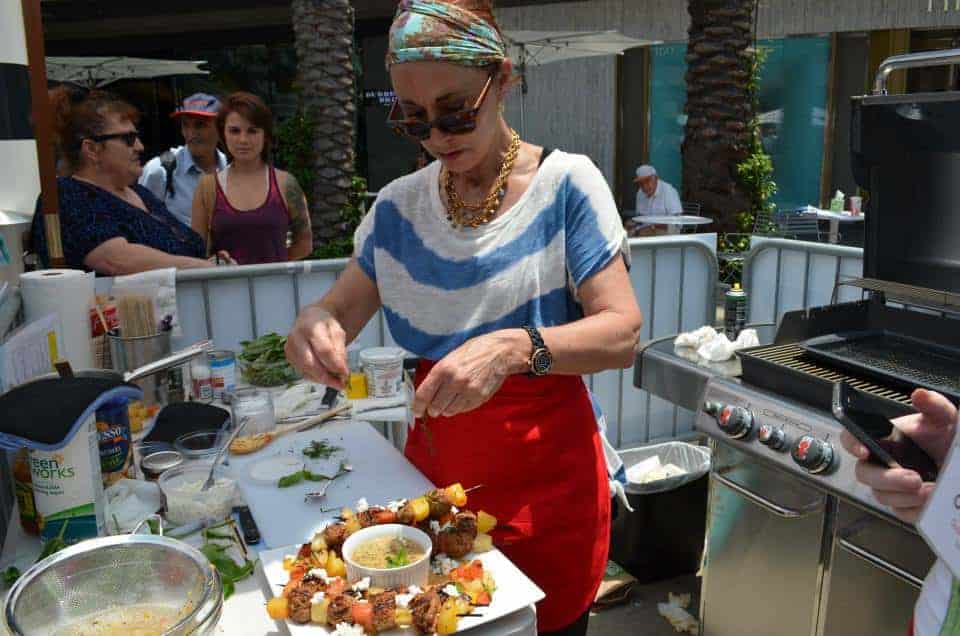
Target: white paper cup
856 206
416 573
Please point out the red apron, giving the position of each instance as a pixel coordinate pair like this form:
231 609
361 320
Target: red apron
536 449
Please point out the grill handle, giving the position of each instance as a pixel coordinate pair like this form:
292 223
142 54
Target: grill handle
763 502
881 563
912 60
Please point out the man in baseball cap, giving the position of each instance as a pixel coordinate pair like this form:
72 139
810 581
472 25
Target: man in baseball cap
173 176
655 197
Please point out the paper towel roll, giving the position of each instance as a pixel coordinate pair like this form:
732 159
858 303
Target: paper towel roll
69 294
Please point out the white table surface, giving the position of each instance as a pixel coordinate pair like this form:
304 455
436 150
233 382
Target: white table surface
380 473
673 219
828 215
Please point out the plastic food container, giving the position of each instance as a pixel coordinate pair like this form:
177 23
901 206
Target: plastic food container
414 574
185 503
383 367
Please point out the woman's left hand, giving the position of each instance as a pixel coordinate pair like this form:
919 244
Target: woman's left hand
469 375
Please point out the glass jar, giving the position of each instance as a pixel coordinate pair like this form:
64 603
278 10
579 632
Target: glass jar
357 382
201 380
256 406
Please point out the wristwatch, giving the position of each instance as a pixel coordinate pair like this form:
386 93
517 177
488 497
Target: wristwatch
541 359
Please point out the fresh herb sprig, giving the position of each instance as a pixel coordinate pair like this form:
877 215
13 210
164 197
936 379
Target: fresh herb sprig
218 554
321 449
398 559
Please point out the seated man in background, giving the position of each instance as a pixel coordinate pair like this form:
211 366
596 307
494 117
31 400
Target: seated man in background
655 197
172 177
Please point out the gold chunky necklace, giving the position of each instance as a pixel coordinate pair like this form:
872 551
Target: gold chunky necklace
485 210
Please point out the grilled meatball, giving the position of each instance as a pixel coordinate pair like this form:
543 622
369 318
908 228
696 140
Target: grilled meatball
425 607
457 540
440 504
340 609
299 603
405 515
335 534
368 517
384 611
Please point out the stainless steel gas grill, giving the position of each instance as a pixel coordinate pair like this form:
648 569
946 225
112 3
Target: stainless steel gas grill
795 545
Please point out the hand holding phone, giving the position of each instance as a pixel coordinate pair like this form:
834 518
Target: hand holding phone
887 445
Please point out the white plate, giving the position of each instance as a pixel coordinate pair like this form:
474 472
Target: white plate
514 590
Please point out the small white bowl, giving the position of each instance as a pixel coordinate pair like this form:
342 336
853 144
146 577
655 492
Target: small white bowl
414 574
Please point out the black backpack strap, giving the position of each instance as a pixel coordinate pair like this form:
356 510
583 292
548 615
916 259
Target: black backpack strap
169 162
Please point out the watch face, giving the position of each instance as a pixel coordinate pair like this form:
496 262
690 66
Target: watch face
541 362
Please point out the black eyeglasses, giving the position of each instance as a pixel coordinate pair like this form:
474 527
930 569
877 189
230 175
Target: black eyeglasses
458 123
128 138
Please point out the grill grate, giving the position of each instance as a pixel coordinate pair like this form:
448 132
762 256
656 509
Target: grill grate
787 369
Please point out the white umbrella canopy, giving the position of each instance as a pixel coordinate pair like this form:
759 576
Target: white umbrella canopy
536 48
96 72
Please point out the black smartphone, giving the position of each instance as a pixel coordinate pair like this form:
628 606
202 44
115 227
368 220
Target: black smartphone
887 445
251 533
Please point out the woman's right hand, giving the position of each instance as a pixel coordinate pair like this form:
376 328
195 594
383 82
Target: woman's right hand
317 347
932 428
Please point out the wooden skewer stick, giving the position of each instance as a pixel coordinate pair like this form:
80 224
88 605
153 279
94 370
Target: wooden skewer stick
472 488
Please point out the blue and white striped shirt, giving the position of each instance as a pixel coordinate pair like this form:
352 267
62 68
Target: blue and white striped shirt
441 286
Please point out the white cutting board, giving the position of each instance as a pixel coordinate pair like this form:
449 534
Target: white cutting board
514 593
380 474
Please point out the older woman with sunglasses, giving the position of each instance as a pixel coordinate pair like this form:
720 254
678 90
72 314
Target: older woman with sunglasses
108 223
500 265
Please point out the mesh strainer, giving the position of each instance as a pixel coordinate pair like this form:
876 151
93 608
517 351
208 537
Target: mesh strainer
121 580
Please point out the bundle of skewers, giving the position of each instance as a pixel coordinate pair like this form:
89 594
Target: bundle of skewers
317 591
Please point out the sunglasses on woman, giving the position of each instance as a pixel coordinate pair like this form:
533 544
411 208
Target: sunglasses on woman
458 123
129 138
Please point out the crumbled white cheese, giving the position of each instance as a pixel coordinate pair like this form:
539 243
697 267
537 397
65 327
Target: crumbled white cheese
362 585
362 505
346 629
289 557
451 590
395 505
442 564
320 573
454 510
403 600
413 590
435 526
317 598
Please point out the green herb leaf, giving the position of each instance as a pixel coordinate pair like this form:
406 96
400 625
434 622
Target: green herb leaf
10 575
291 480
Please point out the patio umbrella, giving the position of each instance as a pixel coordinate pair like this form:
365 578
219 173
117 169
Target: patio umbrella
96 72
535 48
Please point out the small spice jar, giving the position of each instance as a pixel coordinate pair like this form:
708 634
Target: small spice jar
155 464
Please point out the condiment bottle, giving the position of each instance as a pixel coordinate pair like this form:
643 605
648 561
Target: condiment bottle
357 382
201 384
23 488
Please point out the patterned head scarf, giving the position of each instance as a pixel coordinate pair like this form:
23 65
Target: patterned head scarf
433 30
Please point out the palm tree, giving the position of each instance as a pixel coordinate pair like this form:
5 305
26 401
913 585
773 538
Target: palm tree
719 107
323 38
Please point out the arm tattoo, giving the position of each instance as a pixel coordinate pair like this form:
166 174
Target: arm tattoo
297 205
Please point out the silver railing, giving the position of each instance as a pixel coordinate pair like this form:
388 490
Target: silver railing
673 278
780 275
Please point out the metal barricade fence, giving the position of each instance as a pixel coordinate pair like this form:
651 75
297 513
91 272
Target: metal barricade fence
781 275
673 279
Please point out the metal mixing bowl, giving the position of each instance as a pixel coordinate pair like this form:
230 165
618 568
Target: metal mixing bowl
114 576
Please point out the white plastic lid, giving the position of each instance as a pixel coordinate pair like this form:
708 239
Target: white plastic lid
269 470
377 355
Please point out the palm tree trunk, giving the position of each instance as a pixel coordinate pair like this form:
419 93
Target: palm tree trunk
323 38
719 107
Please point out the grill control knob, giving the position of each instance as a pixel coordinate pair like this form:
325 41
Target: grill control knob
813 454
712 408
772 437
735 421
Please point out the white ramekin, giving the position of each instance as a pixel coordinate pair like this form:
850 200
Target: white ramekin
414 574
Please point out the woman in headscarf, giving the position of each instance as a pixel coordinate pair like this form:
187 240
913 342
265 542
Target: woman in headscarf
501 266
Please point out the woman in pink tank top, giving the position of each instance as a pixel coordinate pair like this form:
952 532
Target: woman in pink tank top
251 210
